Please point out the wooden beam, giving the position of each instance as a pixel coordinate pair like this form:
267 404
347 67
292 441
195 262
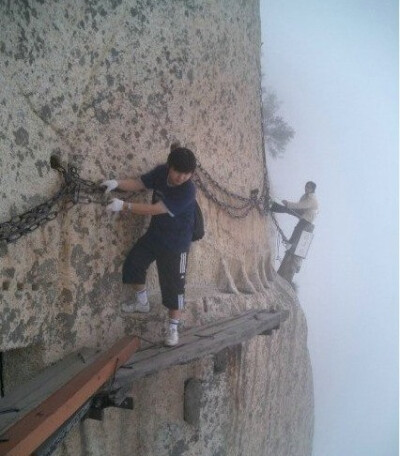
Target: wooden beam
27 396
33 429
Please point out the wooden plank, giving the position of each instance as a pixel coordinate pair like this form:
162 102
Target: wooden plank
220 324
194 346
284 315
34 428
205 330
231 323
29 395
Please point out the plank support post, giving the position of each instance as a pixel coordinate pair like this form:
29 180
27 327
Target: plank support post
193 401
269 332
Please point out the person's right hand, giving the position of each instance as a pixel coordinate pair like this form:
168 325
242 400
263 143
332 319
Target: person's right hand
110 184
116 205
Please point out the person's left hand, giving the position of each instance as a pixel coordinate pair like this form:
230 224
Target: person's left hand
284 202
110 185
116 205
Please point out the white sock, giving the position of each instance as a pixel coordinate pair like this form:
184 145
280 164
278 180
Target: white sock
173 324
141 297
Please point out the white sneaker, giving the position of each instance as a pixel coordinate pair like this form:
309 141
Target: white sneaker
172 337
135 306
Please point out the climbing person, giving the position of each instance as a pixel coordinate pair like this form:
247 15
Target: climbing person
305 209
168 238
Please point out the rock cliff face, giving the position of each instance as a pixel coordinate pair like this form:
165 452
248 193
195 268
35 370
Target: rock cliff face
107 85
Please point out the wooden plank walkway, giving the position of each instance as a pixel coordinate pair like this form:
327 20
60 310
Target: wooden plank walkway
194 344
40 407
33 413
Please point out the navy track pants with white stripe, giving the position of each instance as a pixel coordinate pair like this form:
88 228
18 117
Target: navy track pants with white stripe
171 267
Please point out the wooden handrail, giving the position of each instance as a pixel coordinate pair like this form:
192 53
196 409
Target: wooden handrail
26 435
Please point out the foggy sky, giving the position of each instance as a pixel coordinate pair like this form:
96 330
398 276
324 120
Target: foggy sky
334 66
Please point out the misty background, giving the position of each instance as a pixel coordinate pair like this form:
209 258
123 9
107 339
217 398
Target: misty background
334 66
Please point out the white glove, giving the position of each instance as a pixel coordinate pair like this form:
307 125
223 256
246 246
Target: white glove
116 205
110 184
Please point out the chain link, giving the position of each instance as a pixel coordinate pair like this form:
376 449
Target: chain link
75 190
230 201
284 238
236 206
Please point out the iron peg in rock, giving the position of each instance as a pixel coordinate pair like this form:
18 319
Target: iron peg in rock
254 194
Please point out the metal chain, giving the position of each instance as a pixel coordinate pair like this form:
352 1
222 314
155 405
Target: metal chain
75 190
284 238
238 205
206 174
232 210
204 180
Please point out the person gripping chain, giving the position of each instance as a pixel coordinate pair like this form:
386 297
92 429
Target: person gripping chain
168 238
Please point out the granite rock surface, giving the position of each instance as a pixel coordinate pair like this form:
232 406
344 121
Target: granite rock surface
107 86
